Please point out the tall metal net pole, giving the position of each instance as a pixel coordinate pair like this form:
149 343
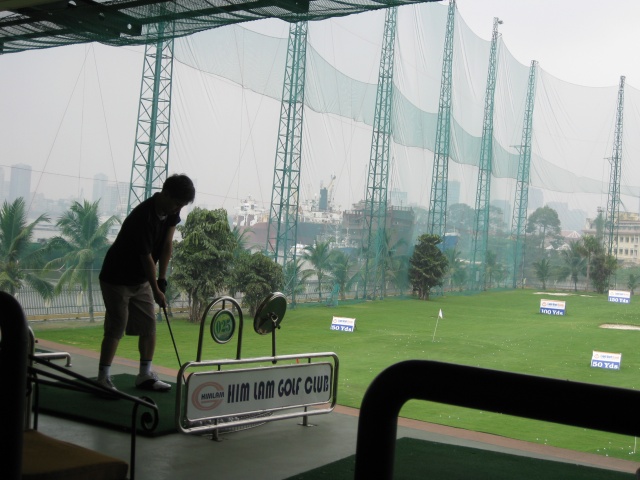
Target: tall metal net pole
283 212
519 219
375 209
613 200
151 151
483 193
440 176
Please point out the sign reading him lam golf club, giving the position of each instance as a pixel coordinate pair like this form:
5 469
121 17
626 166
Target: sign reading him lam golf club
619 296
234 392
609 361
552 307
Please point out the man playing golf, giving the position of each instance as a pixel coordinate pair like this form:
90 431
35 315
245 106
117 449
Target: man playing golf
130 286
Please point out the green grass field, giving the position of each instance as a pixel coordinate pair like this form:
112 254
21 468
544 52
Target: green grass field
497 330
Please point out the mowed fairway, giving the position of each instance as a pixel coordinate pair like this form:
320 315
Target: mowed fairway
497 330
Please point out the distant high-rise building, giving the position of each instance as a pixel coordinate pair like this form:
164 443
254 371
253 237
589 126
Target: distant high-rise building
536 199
398 198
453 192
506 208
99 188
20 184
116 196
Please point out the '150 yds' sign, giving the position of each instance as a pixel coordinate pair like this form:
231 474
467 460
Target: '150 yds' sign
552 307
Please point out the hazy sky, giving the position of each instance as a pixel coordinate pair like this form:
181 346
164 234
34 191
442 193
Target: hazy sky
56 102
588 42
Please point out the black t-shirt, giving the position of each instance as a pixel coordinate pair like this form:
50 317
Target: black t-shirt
142 232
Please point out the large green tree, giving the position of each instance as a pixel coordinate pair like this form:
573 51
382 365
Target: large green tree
544 224
83 244
427 265
19 259
261 277
202 261
604 265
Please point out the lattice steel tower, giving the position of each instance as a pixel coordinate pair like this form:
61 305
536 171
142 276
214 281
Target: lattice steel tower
519 219
613 200
375 207
283 213
440 177
483 193
151 151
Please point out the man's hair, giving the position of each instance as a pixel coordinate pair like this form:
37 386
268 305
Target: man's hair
180 187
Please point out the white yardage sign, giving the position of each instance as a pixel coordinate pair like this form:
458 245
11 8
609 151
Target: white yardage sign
343 324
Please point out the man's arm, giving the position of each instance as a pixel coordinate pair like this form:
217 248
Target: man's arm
150 272
165 255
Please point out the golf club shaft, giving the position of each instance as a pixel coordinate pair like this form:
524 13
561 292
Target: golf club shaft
164 309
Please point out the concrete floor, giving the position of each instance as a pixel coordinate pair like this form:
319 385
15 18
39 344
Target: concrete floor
275 450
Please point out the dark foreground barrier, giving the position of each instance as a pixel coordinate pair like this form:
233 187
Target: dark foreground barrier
27 453
539 398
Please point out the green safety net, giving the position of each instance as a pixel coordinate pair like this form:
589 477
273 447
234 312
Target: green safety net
226 102
53 23
572 132
573 125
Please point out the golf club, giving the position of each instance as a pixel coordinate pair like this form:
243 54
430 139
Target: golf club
164 309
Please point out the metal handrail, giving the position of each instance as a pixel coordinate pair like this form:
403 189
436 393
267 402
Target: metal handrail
538 398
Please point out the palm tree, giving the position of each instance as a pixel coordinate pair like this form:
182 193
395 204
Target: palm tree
296 276
542 270
17 258
342 270
574 264
590 246
240 240
83 244
318 256
491 267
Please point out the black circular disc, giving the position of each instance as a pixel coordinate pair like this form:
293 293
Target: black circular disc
270 313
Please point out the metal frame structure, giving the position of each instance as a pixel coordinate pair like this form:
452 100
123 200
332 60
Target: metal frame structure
36 24
483 193
613 200
285 194
375 209
440 176
151 151
519 219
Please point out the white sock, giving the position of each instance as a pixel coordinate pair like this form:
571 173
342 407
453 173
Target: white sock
104 371
145 367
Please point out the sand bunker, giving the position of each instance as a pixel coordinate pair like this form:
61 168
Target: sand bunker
620 327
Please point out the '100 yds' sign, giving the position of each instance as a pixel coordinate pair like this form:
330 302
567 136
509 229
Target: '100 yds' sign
552 307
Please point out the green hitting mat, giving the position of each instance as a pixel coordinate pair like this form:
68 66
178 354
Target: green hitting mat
115 414
420 459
